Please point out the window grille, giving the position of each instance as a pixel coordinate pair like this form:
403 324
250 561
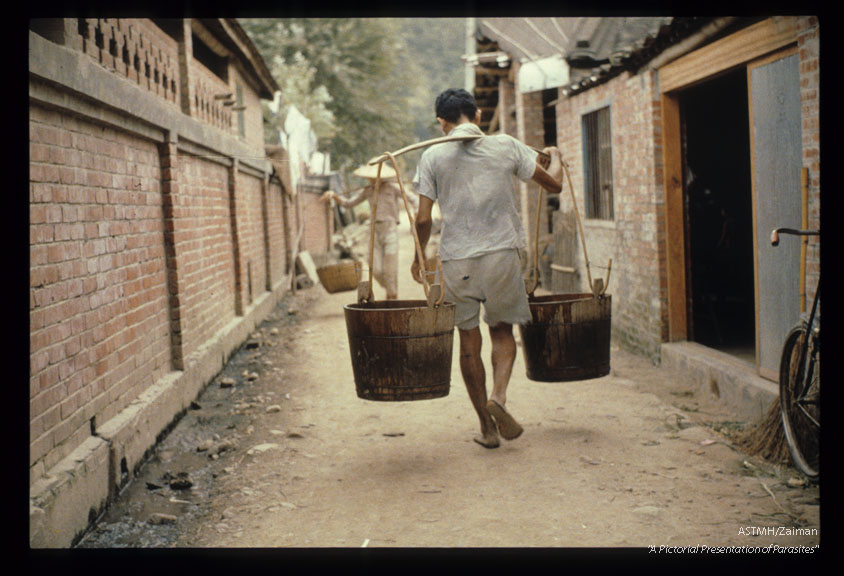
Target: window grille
597 165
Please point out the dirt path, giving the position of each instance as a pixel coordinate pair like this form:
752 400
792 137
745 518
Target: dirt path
295 459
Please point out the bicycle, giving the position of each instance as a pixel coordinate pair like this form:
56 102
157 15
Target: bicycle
800 381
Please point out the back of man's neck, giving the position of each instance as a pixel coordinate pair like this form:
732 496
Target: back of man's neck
462 120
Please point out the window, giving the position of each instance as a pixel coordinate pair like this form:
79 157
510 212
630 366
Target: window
549 122
549 116
597 164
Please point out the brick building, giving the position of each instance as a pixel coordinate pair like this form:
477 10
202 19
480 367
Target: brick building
687 141
160 235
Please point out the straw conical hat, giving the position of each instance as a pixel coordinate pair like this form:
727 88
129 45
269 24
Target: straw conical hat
371 171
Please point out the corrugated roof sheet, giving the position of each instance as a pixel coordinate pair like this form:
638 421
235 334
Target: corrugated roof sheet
589 45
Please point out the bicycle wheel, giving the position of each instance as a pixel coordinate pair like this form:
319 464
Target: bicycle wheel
799 404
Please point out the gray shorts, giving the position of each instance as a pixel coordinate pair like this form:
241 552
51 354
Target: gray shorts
494 280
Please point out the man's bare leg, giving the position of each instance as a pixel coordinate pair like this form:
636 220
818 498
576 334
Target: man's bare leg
474 376
503 358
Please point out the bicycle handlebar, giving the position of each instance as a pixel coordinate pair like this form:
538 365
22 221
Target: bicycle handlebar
775 234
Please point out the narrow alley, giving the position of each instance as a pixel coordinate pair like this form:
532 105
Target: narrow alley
279 452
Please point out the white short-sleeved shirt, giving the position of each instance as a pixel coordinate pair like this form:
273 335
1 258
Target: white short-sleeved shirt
473 183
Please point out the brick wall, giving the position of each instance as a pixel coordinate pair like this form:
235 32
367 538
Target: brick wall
809 51
250 232
278 212
317 222
204 244
100 326
98 298
205 105
157 244
634 237
253 116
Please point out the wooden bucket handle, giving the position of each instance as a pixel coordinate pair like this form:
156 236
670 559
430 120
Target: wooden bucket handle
599 285
434 297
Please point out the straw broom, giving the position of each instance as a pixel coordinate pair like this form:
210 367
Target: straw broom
766 438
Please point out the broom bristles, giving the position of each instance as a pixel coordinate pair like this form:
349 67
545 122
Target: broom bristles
767 438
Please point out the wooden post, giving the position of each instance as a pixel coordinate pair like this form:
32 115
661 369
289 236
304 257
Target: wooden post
675 244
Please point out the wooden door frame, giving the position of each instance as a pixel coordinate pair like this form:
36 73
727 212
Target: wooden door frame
737 50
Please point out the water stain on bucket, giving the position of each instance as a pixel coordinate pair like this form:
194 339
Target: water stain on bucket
568 337
401 349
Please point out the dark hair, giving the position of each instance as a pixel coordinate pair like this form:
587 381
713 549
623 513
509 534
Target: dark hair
453 102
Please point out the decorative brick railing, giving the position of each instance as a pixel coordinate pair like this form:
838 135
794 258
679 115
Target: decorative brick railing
150 60
139 51
212 100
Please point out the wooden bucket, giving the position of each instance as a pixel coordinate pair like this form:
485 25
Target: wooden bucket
568 337
340 277
401 349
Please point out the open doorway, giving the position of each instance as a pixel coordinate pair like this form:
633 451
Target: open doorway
719 215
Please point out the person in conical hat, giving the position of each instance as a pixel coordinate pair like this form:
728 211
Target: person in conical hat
370 172
385 265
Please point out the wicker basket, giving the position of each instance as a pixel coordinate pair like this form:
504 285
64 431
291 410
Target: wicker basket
341 276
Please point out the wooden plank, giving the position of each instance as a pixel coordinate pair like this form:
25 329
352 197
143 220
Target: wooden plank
564 274
492 71
306 264
675 244
734 50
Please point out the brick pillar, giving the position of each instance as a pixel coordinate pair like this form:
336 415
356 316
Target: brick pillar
265 220
120 40
107 33
169 195
130 35
185 69
238 272
287 216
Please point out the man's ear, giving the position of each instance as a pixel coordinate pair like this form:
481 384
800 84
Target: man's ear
478 116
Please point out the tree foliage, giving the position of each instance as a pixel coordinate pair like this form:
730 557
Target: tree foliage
296 79
438 43
366 84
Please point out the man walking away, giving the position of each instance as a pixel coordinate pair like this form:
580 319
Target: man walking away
480 245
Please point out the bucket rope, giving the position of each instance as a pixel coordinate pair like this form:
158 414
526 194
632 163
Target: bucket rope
598 286
419 253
